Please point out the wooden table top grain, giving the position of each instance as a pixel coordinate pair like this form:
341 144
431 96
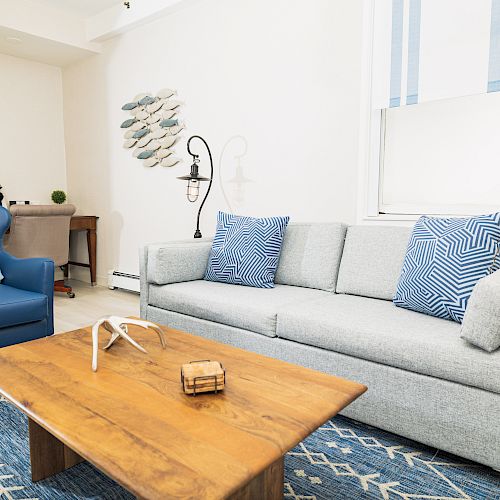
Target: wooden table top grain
132 420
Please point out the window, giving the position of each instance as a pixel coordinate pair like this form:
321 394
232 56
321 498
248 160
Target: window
441 157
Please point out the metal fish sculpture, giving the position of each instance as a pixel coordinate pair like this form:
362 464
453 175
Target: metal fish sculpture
155 106
145 141
166 114
140 133
155 117
153 127
159 133
138 97
170 161
151 162
129 106
128 123
165 93
169 105
129 143
136 111
145 154
169 123
169 141
137 152
142 115
137 126
147 100
163 153
175 129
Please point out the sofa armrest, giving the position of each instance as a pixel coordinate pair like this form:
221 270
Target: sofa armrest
33 275
481 324
175 262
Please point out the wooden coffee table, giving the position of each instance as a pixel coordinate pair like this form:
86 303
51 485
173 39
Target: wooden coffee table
134 423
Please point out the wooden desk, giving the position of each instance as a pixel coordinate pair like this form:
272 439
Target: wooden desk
86 223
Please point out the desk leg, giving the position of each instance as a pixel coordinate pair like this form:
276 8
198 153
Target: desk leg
92 248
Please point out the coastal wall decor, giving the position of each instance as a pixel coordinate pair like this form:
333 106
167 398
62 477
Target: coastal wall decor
153 128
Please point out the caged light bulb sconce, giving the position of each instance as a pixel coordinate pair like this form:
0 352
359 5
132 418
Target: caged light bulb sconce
194 179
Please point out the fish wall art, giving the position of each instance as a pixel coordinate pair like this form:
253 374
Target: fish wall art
153 127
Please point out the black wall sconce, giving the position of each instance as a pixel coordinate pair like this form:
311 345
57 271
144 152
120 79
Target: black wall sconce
194 179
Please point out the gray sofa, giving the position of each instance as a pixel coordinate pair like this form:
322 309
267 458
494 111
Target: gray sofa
331 310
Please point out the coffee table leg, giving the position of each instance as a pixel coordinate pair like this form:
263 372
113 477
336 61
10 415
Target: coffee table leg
48 455
266 486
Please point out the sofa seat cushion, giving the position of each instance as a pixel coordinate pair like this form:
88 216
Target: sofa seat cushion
249 308
378 331
18 307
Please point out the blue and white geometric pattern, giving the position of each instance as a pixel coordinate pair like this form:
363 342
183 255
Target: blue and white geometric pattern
246 250
445 258
343 460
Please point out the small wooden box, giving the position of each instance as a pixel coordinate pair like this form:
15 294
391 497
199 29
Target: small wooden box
202 376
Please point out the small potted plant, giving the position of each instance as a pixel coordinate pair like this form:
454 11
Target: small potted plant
58 196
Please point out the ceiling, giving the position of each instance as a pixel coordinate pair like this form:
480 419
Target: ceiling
60 32
84 7
24 45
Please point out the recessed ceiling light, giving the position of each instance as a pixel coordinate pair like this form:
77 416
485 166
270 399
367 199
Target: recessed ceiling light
13 40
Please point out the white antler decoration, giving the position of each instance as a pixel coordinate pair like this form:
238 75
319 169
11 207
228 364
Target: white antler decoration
117 326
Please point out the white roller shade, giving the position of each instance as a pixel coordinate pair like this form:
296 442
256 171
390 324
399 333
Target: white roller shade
442 157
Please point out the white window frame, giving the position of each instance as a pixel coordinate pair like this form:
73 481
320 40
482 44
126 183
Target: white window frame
371 153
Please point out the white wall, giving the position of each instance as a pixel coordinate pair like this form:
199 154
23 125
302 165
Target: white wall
31 130
284 74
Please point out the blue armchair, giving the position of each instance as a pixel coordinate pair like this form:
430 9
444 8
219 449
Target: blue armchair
26 295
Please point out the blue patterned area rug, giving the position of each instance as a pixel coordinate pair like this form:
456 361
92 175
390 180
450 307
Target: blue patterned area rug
343 460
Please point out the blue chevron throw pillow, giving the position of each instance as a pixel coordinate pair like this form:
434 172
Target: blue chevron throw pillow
444 260
246 250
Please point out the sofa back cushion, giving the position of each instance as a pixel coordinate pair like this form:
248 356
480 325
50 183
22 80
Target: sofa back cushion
372 260
310 255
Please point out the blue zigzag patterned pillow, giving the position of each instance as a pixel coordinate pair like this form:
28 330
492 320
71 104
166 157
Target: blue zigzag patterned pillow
444 260
246 250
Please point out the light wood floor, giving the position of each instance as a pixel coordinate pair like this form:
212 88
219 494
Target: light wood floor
90 304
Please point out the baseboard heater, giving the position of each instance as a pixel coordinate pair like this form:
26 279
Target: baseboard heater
124 281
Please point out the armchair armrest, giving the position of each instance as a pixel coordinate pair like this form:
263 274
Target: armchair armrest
33 275
481 324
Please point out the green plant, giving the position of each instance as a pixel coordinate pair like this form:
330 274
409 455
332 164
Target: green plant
58 196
